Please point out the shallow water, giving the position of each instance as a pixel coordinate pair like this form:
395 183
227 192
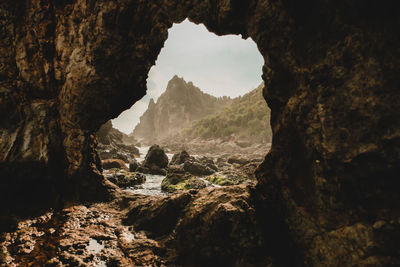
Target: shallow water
151 187
94 246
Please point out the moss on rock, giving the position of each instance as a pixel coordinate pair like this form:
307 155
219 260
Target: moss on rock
181 181
226 179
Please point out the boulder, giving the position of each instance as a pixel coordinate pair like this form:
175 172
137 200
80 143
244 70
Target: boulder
179 158
152 169
114 163
195 183
126 179
156 157
196 168
177 180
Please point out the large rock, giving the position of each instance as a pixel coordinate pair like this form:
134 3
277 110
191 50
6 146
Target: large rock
179 158
196 168
126 179
221 223
156 157
177 180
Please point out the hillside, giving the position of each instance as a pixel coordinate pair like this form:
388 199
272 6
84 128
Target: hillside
180 105
247 117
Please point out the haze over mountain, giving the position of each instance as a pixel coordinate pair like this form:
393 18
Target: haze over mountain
184 111
180 105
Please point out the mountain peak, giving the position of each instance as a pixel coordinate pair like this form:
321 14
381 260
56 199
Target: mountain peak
180 104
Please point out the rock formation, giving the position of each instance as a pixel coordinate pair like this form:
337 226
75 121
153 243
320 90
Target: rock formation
245 120
327 191
181 104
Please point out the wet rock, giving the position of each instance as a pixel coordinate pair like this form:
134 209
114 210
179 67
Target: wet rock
114 163
177 181
157 215
180 158
126 179
152 169
156 158
223 223
226 178
196 168
195 183
133 166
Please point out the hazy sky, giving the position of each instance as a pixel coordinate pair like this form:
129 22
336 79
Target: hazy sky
218 65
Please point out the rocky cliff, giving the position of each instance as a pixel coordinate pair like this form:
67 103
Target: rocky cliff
327 191
180 105
246 118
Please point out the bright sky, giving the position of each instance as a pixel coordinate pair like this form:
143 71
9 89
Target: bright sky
219 65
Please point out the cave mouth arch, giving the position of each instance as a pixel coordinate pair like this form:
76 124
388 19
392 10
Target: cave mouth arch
214 108
72 66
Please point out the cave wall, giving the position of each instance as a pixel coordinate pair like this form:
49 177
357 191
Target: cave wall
331 80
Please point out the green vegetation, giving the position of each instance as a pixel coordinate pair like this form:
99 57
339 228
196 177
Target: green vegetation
246 118
178 181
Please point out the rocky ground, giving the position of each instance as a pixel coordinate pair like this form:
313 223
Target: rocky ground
207 197
199 197
184 171
137 230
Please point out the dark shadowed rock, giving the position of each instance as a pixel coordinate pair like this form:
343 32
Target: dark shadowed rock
211 227
156 157
196 168
133 166
157 215
126 179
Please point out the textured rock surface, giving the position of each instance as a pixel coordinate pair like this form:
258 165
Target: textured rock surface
209 227
331 81
114 163
156 156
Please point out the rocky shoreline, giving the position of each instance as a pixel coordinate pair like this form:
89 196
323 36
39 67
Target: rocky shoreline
182 171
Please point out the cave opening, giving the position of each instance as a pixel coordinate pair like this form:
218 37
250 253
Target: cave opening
203 122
